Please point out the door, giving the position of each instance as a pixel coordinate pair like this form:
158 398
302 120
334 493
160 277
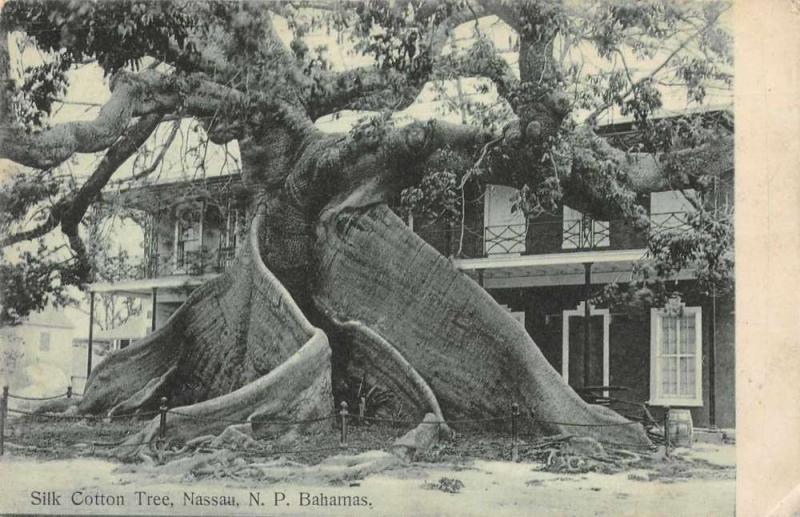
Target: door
572 347
576 351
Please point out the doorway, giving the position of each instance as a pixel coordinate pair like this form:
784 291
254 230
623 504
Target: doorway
572 351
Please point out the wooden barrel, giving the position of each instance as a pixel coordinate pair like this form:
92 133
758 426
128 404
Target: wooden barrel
680 428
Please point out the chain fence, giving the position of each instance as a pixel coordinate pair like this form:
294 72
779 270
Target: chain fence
505 443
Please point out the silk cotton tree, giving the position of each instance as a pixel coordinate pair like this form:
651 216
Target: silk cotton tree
331 277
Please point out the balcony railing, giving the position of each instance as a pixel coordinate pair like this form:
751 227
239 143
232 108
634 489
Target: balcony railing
192 263
543 237
502 240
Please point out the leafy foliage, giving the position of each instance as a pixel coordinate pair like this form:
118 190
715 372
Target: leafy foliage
438 192
115 34
34 280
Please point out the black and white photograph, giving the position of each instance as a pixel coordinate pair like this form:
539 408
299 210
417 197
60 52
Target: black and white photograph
381 257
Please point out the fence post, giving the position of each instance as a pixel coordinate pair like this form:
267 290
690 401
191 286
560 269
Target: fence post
162 425
343 436
666 431
69 392
514 432
362 410
3 411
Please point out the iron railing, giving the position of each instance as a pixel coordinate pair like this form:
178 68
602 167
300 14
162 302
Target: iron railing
502 240
193 263
545 237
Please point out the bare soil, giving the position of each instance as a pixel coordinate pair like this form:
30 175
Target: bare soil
466 476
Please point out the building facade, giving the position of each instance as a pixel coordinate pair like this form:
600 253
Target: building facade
192 230
36 355
545 269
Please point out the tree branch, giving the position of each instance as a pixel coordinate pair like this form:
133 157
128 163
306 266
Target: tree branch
598 111
167 143
69 210
5 64
133 95
34 233
123 149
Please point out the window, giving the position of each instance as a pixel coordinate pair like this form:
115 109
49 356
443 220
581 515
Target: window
676 356
504 228
44 341
668 209
581 231
188 228
231 229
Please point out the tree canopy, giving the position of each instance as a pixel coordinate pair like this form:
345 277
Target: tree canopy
226 66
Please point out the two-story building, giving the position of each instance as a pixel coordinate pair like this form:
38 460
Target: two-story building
543 269
192 230
547 270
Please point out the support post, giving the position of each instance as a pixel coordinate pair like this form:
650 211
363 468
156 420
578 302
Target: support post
90 347
162 429
587 323
514 432
450 239
712 365
162 425
3 412
666 431
202 240
153 300
343 435
481 280
362 410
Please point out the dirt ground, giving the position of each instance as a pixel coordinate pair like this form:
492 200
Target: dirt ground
702 482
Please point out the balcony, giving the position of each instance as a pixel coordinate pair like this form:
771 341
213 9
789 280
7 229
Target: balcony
540 237
186 263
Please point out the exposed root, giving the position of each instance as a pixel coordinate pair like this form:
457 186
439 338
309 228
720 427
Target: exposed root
420 439
298 390
232 465
581 454
150 391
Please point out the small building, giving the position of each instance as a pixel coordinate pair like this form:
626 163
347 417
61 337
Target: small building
37 354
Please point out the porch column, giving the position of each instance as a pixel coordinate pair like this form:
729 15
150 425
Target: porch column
153 311
587 321
91 336
712 365
202 231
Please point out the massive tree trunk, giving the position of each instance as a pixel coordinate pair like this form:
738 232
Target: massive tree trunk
332 284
